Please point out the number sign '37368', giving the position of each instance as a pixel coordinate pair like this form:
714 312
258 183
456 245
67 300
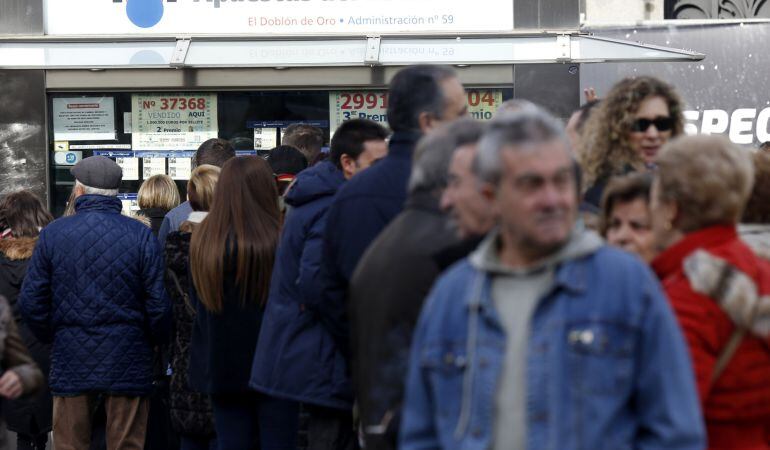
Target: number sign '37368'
373 105
173 121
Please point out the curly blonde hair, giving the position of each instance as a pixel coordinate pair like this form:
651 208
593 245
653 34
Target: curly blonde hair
605 148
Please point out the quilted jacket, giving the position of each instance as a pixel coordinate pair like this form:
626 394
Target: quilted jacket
94 287
708 306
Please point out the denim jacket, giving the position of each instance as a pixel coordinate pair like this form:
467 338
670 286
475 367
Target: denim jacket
607 367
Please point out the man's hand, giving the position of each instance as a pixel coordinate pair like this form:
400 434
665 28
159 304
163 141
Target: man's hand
10 385
590 94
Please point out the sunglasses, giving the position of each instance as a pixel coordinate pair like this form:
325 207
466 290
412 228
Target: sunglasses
661 124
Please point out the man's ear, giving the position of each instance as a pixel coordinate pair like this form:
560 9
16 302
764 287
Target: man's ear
426 121
79 190
348 164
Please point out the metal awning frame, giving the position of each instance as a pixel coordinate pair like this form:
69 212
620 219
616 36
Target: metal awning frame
208 51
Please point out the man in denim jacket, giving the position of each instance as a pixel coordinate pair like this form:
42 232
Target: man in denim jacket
544 338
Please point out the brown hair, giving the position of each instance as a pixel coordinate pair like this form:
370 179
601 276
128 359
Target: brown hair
158 191
215 152
605 148
623 189
758 207
24 214
241 232
201 187
707 177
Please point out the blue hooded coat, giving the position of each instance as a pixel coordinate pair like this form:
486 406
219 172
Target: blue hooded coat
296 357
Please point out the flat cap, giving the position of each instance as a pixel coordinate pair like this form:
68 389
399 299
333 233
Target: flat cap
98 172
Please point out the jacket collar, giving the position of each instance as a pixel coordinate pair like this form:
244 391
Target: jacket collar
98 203
16 249
402 144
424 201
672 258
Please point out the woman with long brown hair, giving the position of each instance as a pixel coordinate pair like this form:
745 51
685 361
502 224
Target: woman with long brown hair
231 261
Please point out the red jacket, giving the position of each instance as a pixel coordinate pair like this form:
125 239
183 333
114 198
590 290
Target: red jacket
737 405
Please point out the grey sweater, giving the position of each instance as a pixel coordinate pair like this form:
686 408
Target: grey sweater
515 294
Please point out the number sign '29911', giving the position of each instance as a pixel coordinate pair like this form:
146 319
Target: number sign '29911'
373 105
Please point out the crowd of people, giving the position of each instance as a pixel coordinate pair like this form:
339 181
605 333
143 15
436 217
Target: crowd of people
444 283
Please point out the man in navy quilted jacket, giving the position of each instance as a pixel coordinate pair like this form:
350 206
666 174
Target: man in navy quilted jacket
94 289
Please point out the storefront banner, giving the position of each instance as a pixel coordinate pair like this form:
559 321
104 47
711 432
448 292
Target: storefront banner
373 105
180 168
275 17
173 121
83 118
130 168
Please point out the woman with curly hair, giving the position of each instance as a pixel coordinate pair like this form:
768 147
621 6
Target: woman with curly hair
627 130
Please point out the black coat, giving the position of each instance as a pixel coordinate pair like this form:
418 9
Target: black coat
223 344
30 415
386 294
156 216
190 411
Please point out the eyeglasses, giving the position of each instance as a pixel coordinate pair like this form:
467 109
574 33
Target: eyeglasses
661 124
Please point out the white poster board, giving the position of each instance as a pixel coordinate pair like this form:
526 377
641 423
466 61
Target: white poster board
83 118
172 121
276 17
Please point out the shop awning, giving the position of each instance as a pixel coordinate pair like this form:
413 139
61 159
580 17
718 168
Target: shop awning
211 52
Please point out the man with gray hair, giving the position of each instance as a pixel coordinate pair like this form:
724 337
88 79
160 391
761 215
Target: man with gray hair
94 288
392 280
545 337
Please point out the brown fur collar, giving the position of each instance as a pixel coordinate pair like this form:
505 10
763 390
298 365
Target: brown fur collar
17 249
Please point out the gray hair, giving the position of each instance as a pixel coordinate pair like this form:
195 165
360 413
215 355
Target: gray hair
88 190
520 129
514 105
430 168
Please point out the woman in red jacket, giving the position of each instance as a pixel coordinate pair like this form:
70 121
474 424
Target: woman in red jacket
719 289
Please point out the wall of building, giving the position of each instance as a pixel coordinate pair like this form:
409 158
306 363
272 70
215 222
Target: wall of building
23 148
622 11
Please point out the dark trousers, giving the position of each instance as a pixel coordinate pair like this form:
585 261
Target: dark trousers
330 429
278 423
236 421
24 442
197 443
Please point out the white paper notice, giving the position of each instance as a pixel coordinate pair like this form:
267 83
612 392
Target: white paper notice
127 126
83 118
265 138
130 168
153 166
179 168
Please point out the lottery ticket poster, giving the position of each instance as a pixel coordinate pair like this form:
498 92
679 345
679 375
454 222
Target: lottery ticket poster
373 105
173 121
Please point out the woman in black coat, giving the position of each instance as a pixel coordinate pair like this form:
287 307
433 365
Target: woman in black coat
157 196
190 411
22 216
231 261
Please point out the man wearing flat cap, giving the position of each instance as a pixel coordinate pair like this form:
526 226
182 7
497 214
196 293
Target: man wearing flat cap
94 288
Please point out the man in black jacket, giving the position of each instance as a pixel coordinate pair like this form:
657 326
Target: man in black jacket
394 277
